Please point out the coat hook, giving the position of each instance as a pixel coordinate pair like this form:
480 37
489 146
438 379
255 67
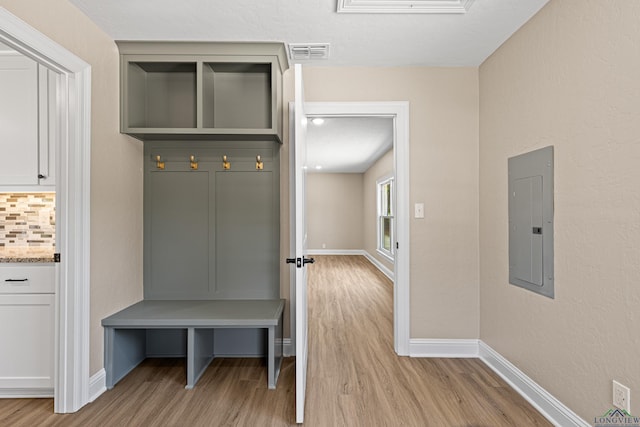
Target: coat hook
192 162
159 163
225 163
259 163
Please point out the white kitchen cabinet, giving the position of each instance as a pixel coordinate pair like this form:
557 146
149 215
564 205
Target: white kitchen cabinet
27 278
27 309
27 133
27 336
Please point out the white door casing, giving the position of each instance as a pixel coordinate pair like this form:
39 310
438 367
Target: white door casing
73 160
399 111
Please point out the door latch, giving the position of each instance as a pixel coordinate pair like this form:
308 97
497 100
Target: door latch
300 262
296 261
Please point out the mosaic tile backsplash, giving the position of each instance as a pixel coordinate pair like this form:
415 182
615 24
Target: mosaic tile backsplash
27 219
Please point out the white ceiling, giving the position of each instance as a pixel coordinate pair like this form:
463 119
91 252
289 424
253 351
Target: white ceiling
347 144
356 39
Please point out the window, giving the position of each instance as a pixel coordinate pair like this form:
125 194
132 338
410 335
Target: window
385 217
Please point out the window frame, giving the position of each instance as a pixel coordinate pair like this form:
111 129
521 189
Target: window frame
380 216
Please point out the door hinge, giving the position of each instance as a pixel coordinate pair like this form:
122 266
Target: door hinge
397 245
56 257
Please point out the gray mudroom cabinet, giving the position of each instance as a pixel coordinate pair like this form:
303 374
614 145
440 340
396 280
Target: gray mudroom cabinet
210 116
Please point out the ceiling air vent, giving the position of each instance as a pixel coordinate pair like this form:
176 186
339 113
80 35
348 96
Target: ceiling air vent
404 6
308 51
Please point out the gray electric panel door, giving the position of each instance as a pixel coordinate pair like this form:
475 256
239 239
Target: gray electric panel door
531 221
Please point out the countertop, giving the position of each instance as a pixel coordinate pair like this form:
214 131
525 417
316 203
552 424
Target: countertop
27 254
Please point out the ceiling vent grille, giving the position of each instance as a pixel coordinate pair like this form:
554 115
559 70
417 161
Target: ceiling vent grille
404 6
308 51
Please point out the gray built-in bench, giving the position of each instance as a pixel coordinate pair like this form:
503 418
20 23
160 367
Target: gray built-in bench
133 334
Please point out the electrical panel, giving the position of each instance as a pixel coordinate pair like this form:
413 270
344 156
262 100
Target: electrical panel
531 221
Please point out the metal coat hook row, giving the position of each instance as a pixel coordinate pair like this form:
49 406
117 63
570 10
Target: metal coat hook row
159 162
259 163
225 163
193 164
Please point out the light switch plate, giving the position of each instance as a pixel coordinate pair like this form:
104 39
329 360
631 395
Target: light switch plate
419 210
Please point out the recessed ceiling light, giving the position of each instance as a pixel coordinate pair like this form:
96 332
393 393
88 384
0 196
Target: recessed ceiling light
318 167
317 121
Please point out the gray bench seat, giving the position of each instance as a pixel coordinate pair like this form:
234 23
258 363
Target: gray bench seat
126 339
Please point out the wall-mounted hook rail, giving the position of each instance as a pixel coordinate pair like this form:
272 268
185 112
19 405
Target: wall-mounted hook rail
225 163
259 163
193 164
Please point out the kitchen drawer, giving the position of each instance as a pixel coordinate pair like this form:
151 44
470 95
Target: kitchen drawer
29 279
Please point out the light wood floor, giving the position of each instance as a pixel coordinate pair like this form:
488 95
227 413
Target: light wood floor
354 377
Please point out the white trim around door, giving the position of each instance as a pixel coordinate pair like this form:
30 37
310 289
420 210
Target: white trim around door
73 160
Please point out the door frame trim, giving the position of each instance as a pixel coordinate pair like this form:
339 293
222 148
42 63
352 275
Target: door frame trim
399 111
73 160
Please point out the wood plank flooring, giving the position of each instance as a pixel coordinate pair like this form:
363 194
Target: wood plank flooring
354 377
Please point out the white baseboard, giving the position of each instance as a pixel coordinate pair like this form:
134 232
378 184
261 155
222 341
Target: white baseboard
380 266
455 348
362 252
97 384
28 393
554 410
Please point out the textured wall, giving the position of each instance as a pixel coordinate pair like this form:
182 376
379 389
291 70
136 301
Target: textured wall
444 175
116 164
568 78
334 210
383 167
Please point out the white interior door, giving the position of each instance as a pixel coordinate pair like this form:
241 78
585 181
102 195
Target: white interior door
300 245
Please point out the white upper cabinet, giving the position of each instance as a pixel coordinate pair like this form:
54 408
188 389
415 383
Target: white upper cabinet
26 138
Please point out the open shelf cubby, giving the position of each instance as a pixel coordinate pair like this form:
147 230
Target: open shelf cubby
162 95
236 95
208 91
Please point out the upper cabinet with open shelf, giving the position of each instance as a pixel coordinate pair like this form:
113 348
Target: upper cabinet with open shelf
201 90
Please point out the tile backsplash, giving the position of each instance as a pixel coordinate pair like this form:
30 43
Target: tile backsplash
27 219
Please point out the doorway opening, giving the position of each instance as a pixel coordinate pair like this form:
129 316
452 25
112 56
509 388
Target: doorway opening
398 114
72 184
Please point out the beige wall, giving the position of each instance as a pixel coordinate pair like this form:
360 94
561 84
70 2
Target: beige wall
116 165
568 78
342 209
334 210
444 175
382 168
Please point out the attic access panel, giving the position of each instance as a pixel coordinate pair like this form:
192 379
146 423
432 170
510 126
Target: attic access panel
531 221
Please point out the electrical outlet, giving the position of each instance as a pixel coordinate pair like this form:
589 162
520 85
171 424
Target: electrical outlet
621 396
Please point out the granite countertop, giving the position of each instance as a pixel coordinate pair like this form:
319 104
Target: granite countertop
26 254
